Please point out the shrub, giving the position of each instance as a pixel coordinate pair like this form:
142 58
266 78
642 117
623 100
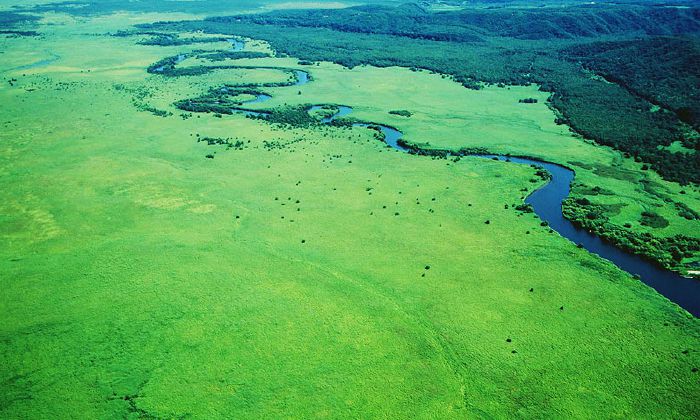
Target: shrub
653 220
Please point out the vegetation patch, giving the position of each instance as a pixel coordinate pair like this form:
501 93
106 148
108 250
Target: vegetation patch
290 116
421 150
401 112
224 100
669 252
653 220
228 142
155 111
231 55
16 34
165 39
686 212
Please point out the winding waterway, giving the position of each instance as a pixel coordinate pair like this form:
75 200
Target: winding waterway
547 204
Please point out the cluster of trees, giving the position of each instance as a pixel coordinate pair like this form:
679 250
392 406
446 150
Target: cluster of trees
408 21
220 101
15 34
613 116
525 208
211 141
290 115
667 251
9 20
166 39
165 66
141 106
651 219
343 122
168 67
401 112
686 212
610 114
416 149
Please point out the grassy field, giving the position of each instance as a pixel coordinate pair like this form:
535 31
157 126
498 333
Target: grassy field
314 273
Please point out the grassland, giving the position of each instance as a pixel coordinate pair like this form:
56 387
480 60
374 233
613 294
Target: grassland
314 273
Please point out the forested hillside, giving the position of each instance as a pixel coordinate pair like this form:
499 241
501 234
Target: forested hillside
520 23
665 70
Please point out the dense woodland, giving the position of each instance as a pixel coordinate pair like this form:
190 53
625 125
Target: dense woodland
568 52
673 82
413 21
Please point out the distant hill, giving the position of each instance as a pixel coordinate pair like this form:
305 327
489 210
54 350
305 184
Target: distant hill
579 21
521 23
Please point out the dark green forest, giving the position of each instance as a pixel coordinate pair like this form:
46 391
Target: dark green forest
665 83
583 55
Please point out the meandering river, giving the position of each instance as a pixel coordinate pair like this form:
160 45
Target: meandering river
547 204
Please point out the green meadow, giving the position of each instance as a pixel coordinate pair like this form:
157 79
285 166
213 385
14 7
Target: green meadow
310 272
